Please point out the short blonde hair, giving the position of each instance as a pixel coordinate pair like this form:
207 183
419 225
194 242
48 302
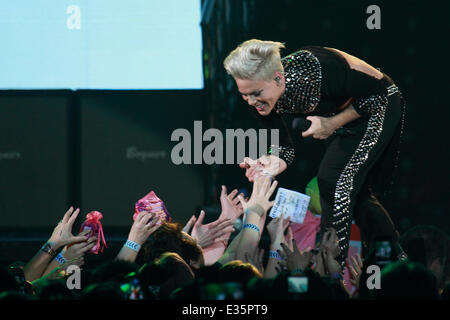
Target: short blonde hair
255 59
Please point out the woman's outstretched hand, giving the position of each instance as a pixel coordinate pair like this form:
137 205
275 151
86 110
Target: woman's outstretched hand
269 165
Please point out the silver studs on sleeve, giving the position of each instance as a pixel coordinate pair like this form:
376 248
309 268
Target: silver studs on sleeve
303 75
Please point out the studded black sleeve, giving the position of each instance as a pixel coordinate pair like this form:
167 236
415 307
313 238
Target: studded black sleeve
284 149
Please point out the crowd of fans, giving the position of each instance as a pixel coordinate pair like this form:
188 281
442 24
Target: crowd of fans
169 260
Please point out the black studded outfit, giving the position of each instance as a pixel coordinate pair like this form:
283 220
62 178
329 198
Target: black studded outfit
357 167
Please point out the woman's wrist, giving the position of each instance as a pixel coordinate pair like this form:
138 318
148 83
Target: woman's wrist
135 246
275 241
251 217
135 239
255 209
54 245
334 122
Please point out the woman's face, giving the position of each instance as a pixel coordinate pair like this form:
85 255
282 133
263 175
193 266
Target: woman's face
261 94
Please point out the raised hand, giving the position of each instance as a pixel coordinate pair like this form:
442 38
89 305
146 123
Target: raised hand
78 250
188 227
277 227
295 259
269 165
230 203
145 224
206 234
289 238
329 250
330 242
261 193
62 234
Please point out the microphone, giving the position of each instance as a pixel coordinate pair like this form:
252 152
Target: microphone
302 124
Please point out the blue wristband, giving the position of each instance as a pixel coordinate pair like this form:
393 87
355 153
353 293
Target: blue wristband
60 258
251 226
275 255
132 245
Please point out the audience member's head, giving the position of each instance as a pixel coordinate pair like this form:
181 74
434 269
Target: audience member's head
406 280
171 238
167 273
428 245
238 271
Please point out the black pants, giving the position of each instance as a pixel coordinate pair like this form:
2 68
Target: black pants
358 166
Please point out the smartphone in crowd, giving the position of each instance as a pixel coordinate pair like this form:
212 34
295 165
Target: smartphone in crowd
384 252
297 284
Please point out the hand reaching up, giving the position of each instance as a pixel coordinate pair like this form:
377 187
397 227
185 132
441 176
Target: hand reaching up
206 234
62 234
261 193
79 249
295 259
329 250
277 227
230 203
330 242
145 224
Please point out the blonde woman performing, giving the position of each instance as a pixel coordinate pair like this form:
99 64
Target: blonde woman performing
334 90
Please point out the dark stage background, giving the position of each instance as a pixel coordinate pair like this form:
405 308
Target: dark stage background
103 150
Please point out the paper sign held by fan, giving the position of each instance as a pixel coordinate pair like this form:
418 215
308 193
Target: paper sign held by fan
293 204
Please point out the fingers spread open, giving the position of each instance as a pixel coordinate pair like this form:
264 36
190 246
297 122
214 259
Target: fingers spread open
232 194
189 224
223 192
73 217
223 224
200 219
241 199
284 252
67 215
272 189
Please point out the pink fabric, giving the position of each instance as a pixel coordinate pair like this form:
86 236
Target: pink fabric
151 203
305 235
93 224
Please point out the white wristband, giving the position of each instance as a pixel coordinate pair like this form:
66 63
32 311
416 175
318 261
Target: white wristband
132 245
